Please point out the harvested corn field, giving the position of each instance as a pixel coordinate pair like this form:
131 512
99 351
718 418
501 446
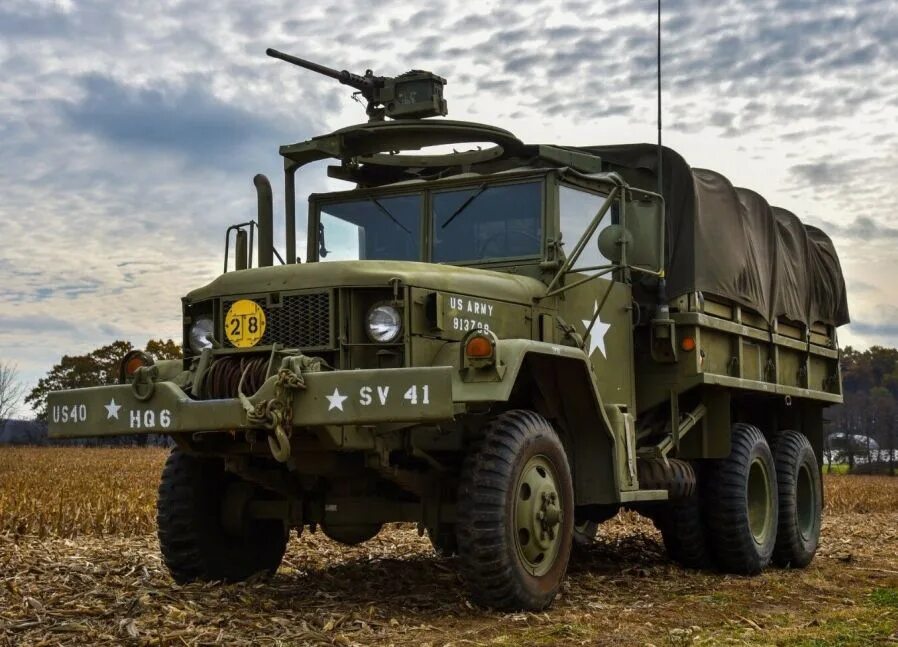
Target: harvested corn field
70 491
79 564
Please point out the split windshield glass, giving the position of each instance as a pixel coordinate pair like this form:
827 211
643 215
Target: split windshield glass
487 222
384 228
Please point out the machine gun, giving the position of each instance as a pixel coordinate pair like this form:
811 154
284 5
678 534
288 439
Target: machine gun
413 95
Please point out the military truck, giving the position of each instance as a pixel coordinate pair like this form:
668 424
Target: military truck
504 343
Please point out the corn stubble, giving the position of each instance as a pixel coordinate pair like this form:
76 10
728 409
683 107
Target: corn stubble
79 564
71 491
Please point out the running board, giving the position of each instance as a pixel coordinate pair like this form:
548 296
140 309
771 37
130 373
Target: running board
632 496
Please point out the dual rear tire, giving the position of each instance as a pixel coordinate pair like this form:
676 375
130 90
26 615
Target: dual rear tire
800 500
742 505
760 504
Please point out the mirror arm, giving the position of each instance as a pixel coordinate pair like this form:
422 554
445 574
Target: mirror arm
565 288
636 268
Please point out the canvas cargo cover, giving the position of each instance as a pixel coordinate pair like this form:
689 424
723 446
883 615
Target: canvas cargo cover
729 242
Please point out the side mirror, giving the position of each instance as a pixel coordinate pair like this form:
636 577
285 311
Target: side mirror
612 241
645 222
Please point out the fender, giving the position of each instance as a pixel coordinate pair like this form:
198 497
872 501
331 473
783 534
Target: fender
558 382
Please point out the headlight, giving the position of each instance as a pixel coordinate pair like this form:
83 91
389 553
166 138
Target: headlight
200 336
384 323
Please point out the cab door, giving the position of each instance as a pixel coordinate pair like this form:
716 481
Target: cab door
610 340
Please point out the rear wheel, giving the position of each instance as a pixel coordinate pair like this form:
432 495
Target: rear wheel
742 505
800 500
683 532
680 520
196 495
515 514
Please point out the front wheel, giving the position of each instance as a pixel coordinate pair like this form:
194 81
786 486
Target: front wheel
196 495
515 514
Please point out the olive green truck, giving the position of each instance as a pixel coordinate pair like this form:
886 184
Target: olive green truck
504 344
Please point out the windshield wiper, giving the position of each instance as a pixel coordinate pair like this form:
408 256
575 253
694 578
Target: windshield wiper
464 205
322 248
389 215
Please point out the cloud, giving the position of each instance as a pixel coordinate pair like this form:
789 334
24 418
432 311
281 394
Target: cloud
188 120
878 330
824 172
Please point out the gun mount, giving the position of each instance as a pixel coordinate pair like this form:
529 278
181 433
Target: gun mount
414 95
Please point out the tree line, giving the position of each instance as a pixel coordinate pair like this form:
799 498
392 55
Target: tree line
863 431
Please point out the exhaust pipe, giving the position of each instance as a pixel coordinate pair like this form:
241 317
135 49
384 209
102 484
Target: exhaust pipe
241 254
266 221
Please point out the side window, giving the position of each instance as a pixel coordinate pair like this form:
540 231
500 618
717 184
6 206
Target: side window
577 209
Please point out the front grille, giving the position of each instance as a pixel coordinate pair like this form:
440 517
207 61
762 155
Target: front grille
299 320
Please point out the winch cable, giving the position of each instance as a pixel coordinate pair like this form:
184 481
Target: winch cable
223 379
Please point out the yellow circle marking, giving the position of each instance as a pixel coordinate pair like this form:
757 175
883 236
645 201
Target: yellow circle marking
245 323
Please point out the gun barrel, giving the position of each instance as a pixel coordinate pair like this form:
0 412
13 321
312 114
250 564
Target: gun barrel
343 76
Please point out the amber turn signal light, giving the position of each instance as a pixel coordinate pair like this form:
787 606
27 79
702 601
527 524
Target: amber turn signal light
132 362
479 347
687 344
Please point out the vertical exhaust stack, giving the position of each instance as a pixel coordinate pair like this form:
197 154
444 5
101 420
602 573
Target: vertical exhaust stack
266 221
241 255
290 212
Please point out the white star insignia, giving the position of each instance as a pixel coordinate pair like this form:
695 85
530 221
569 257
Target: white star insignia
335 400
112 409
597 334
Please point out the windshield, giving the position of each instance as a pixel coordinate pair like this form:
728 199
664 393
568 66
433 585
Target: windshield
487 222
383 228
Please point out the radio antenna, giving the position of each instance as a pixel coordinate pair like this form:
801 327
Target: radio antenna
660 149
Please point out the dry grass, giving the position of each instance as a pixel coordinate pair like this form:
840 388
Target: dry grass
79 564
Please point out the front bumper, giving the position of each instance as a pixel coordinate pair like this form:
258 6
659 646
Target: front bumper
358 397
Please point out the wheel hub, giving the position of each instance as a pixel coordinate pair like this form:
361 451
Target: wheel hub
759 502
548 515
538 514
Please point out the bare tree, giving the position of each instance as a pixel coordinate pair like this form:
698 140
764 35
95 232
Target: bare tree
10 391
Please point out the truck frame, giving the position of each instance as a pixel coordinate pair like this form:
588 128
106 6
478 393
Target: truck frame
483 343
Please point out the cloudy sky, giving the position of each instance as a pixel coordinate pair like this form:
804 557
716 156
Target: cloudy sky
130 130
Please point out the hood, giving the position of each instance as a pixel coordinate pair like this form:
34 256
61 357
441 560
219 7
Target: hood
488 284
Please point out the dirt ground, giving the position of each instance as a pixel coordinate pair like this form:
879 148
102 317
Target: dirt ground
109 589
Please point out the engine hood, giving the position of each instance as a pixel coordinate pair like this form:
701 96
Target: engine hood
448 278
